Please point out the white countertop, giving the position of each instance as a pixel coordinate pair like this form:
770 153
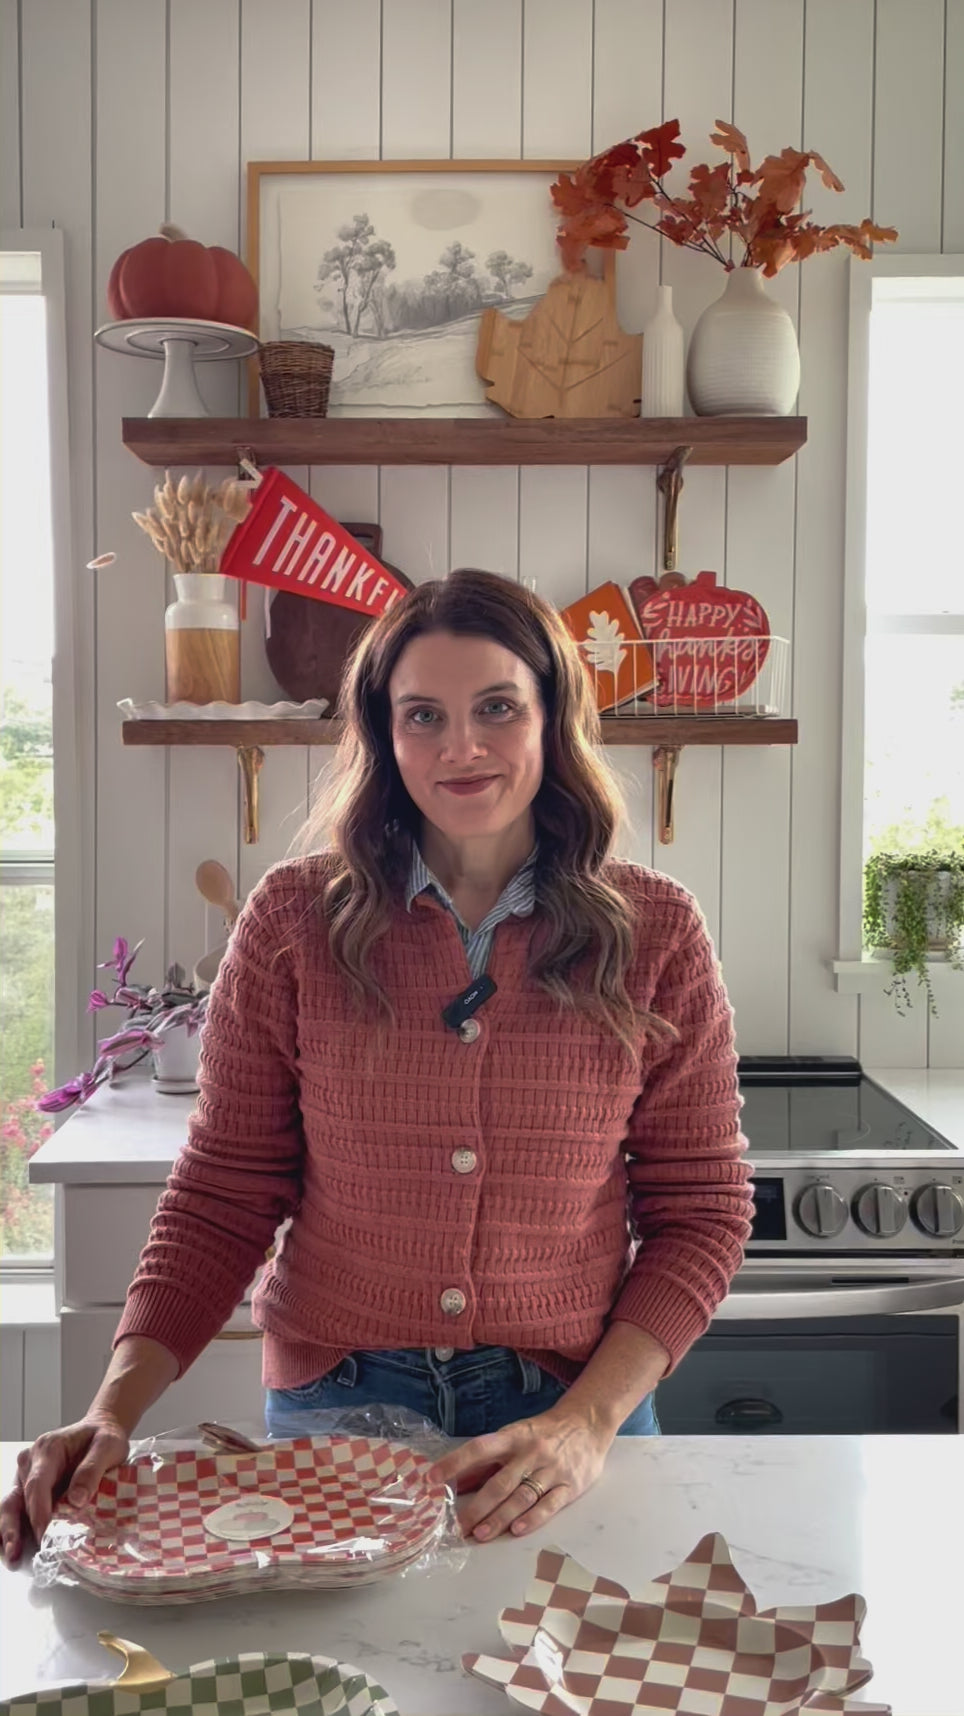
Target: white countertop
129 1134
807 1519
126 1135
935 1095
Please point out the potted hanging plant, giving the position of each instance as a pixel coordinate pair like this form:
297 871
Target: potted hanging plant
743 354
914 912
164 1023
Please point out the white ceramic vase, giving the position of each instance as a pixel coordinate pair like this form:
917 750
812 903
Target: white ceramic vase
662 388
743 358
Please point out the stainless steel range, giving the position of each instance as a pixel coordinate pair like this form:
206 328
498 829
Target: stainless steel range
859 1222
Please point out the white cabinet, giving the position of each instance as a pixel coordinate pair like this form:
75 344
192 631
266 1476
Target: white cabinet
103 1229
224 1384
110 1163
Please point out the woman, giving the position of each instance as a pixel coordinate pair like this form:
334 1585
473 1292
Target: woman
511 1206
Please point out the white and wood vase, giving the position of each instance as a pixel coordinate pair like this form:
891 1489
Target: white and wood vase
743 358
662 388
202 641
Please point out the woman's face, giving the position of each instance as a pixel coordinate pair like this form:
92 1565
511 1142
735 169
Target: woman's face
466 708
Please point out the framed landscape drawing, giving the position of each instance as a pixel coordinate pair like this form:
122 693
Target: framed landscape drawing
391 263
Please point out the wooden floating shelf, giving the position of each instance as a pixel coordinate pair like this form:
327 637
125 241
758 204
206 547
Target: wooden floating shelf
463 440
669 730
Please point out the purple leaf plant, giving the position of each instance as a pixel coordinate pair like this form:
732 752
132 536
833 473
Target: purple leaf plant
151 1012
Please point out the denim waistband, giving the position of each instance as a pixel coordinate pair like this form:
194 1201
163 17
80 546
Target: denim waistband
452 1365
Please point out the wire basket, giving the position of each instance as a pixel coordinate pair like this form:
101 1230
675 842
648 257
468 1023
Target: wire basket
698 676
296 377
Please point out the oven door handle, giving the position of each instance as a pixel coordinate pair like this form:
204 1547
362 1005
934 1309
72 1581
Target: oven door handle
863 1299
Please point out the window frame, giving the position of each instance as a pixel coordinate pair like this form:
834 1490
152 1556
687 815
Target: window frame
856 970
69 865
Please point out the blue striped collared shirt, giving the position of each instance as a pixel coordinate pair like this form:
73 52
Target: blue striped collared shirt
517 898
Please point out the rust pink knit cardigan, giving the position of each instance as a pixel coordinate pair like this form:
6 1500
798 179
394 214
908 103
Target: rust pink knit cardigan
571 1148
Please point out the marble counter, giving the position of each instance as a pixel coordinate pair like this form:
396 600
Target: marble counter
129 1135
807 1519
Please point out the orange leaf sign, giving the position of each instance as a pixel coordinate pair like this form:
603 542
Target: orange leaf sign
568 358
610 645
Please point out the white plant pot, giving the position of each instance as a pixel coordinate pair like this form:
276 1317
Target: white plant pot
743 358
938 946
176 1061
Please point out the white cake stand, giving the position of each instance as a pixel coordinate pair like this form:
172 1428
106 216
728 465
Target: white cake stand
181 342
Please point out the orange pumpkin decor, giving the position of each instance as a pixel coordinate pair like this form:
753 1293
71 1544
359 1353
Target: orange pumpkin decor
172 275
699 671
613 653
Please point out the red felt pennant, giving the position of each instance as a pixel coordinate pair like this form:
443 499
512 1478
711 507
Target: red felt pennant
289 542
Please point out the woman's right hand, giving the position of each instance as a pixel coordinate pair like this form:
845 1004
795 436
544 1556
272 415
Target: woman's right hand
71 1461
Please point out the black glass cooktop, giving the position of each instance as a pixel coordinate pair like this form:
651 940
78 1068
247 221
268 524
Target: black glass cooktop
806 1103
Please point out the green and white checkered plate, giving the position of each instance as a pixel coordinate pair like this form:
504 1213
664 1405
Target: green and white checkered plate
254 1684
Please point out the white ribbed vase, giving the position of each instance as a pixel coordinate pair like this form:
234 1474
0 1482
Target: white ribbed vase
743 357
662 388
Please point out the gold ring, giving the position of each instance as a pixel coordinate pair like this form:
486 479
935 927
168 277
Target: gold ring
532 1484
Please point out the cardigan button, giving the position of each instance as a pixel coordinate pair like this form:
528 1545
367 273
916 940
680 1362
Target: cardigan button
470 1030
452 1302
464 1161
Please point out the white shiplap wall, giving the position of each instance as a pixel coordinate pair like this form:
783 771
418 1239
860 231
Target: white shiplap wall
120 113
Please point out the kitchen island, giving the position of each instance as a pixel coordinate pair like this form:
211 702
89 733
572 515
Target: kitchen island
807 1519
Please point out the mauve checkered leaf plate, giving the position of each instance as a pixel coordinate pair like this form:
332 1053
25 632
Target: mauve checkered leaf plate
691 1644
254 1684
360 1507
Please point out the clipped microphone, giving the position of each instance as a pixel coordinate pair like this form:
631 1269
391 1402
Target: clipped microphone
464 1005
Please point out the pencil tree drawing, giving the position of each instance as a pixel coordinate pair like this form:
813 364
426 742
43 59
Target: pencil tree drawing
507 272
367 303
357 264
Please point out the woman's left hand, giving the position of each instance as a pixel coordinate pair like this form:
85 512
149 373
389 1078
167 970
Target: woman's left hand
522 1475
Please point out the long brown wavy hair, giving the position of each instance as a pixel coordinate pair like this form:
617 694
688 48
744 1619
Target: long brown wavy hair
367 818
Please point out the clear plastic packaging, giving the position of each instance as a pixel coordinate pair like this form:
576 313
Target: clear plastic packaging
351 1499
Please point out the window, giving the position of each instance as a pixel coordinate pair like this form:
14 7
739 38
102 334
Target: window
903 694
914 658
30 308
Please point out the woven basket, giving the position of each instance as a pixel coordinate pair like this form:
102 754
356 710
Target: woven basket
296 377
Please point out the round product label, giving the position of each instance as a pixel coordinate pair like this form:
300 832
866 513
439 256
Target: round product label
247 1518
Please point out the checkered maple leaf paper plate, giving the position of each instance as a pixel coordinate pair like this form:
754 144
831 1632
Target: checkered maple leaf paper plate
356 1509
254 1684
692 1644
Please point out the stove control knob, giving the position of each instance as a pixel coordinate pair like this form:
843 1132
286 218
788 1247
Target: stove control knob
939 1211
821 1211
879 1211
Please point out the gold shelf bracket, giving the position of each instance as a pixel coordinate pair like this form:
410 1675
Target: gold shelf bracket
669 481
666 762
250 759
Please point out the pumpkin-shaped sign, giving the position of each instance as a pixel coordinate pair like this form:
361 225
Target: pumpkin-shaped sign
700 668
172 275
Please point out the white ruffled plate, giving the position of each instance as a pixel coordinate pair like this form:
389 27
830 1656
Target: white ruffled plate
132 711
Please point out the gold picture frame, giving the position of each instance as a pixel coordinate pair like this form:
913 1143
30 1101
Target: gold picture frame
402 319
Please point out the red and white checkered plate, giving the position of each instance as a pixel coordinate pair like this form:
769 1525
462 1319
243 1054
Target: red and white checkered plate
692 1644
360 1508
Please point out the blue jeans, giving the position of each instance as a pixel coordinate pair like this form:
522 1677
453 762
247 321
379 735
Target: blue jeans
463 1393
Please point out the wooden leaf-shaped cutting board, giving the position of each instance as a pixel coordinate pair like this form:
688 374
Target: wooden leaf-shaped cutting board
568 358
